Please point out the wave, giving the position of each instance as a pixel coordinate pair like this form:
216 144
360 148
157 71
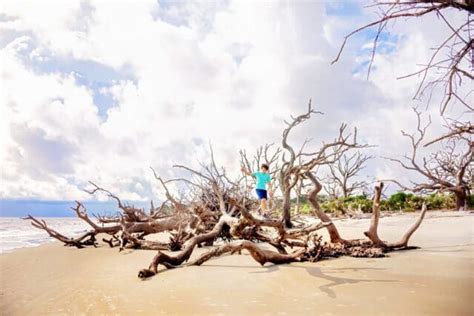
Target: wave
18 233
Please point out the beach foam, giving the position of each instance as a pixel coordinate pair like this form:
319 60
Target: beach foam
19 233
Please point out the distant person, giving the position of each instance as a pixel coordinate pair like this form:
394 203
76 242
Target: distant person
263 180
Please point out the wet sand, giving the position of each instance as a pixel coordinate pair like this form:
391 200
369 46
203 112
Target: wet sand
437 279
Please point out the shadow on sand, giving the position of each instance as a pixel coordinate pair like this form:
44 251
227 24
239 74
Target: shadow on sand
317 272
333 280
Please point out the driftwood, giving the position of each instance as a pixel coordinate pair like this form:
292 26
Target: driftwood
260 255
170 261
221 210
218 209
79 242
243 231
129 229
308 244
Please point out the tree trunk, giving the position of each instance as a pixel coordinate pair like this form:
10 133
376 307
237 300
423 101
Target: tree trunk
287 208
298 204
345 192
461 199
332 230
298 197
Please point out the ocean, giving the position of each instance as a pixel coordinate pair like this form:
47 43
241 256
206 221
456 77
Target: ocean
19 233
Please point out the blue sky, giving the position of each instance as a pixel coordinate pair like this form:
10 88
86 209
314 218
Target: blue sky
344 8
95 76
101 91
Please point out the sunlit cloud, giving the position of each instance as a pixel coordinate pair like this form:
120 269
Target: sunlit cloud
100 90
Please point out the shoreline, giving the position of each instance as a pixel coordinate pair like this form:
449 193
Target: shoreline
437 279
303 218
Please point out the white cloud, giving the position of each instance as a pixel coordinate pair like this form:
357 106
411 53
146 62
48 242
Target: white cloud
227 73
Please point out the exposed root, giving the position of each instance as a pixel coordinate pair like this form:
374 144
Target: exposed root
87 239
260 255
171 261
372 232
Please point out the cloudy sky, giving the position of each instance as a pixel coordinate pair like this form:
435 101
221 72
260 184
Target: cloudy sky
101 90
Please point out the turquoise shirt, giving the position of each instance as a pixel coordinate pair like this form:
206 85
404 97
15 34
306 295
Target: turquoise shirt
262 179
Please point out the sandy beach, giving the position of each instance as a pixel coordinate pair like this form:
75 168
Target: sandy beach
437 279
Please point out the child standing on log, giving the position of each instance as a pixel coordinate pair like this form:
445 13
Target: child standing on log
263 179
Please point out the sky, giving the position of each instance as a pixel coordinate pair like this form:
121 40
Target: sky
102 90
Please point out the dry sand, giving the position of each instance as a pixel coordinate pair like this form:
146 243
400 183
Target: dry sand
437 279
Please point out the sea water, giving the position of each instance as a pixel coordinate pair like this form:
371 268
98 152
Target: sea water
19 233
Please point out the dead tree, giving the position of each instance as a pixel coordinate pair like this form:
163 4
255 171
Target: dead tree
299 193
267 154
452 60
455 129
219 209
331 188
450 65
447 170
128 229
295 163
306 245
343 171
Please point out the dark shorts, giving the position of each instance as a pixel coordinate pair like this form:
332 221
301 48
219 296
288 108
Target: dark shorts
262 194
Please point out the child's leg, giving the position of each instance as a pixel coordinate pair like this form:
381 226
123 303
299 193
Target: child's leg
263 205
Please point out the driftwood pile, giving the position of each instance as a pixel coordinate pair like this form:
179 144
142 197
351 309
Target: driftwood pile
232 219
216 208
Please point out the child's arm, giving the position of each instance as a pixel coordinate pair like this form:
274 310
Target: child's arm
246 171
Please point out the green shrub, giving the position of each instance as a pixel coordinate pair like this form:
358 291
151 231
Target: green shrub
406 202
306 208
449 201
437 201
409 202
398 200
384 205
413 203
470 201
361 203
434 201
334 206
355 198
342 205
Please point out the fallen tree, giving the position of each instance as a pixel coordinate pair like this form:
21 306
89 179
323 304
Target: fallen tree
221 211
308 244
244 231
